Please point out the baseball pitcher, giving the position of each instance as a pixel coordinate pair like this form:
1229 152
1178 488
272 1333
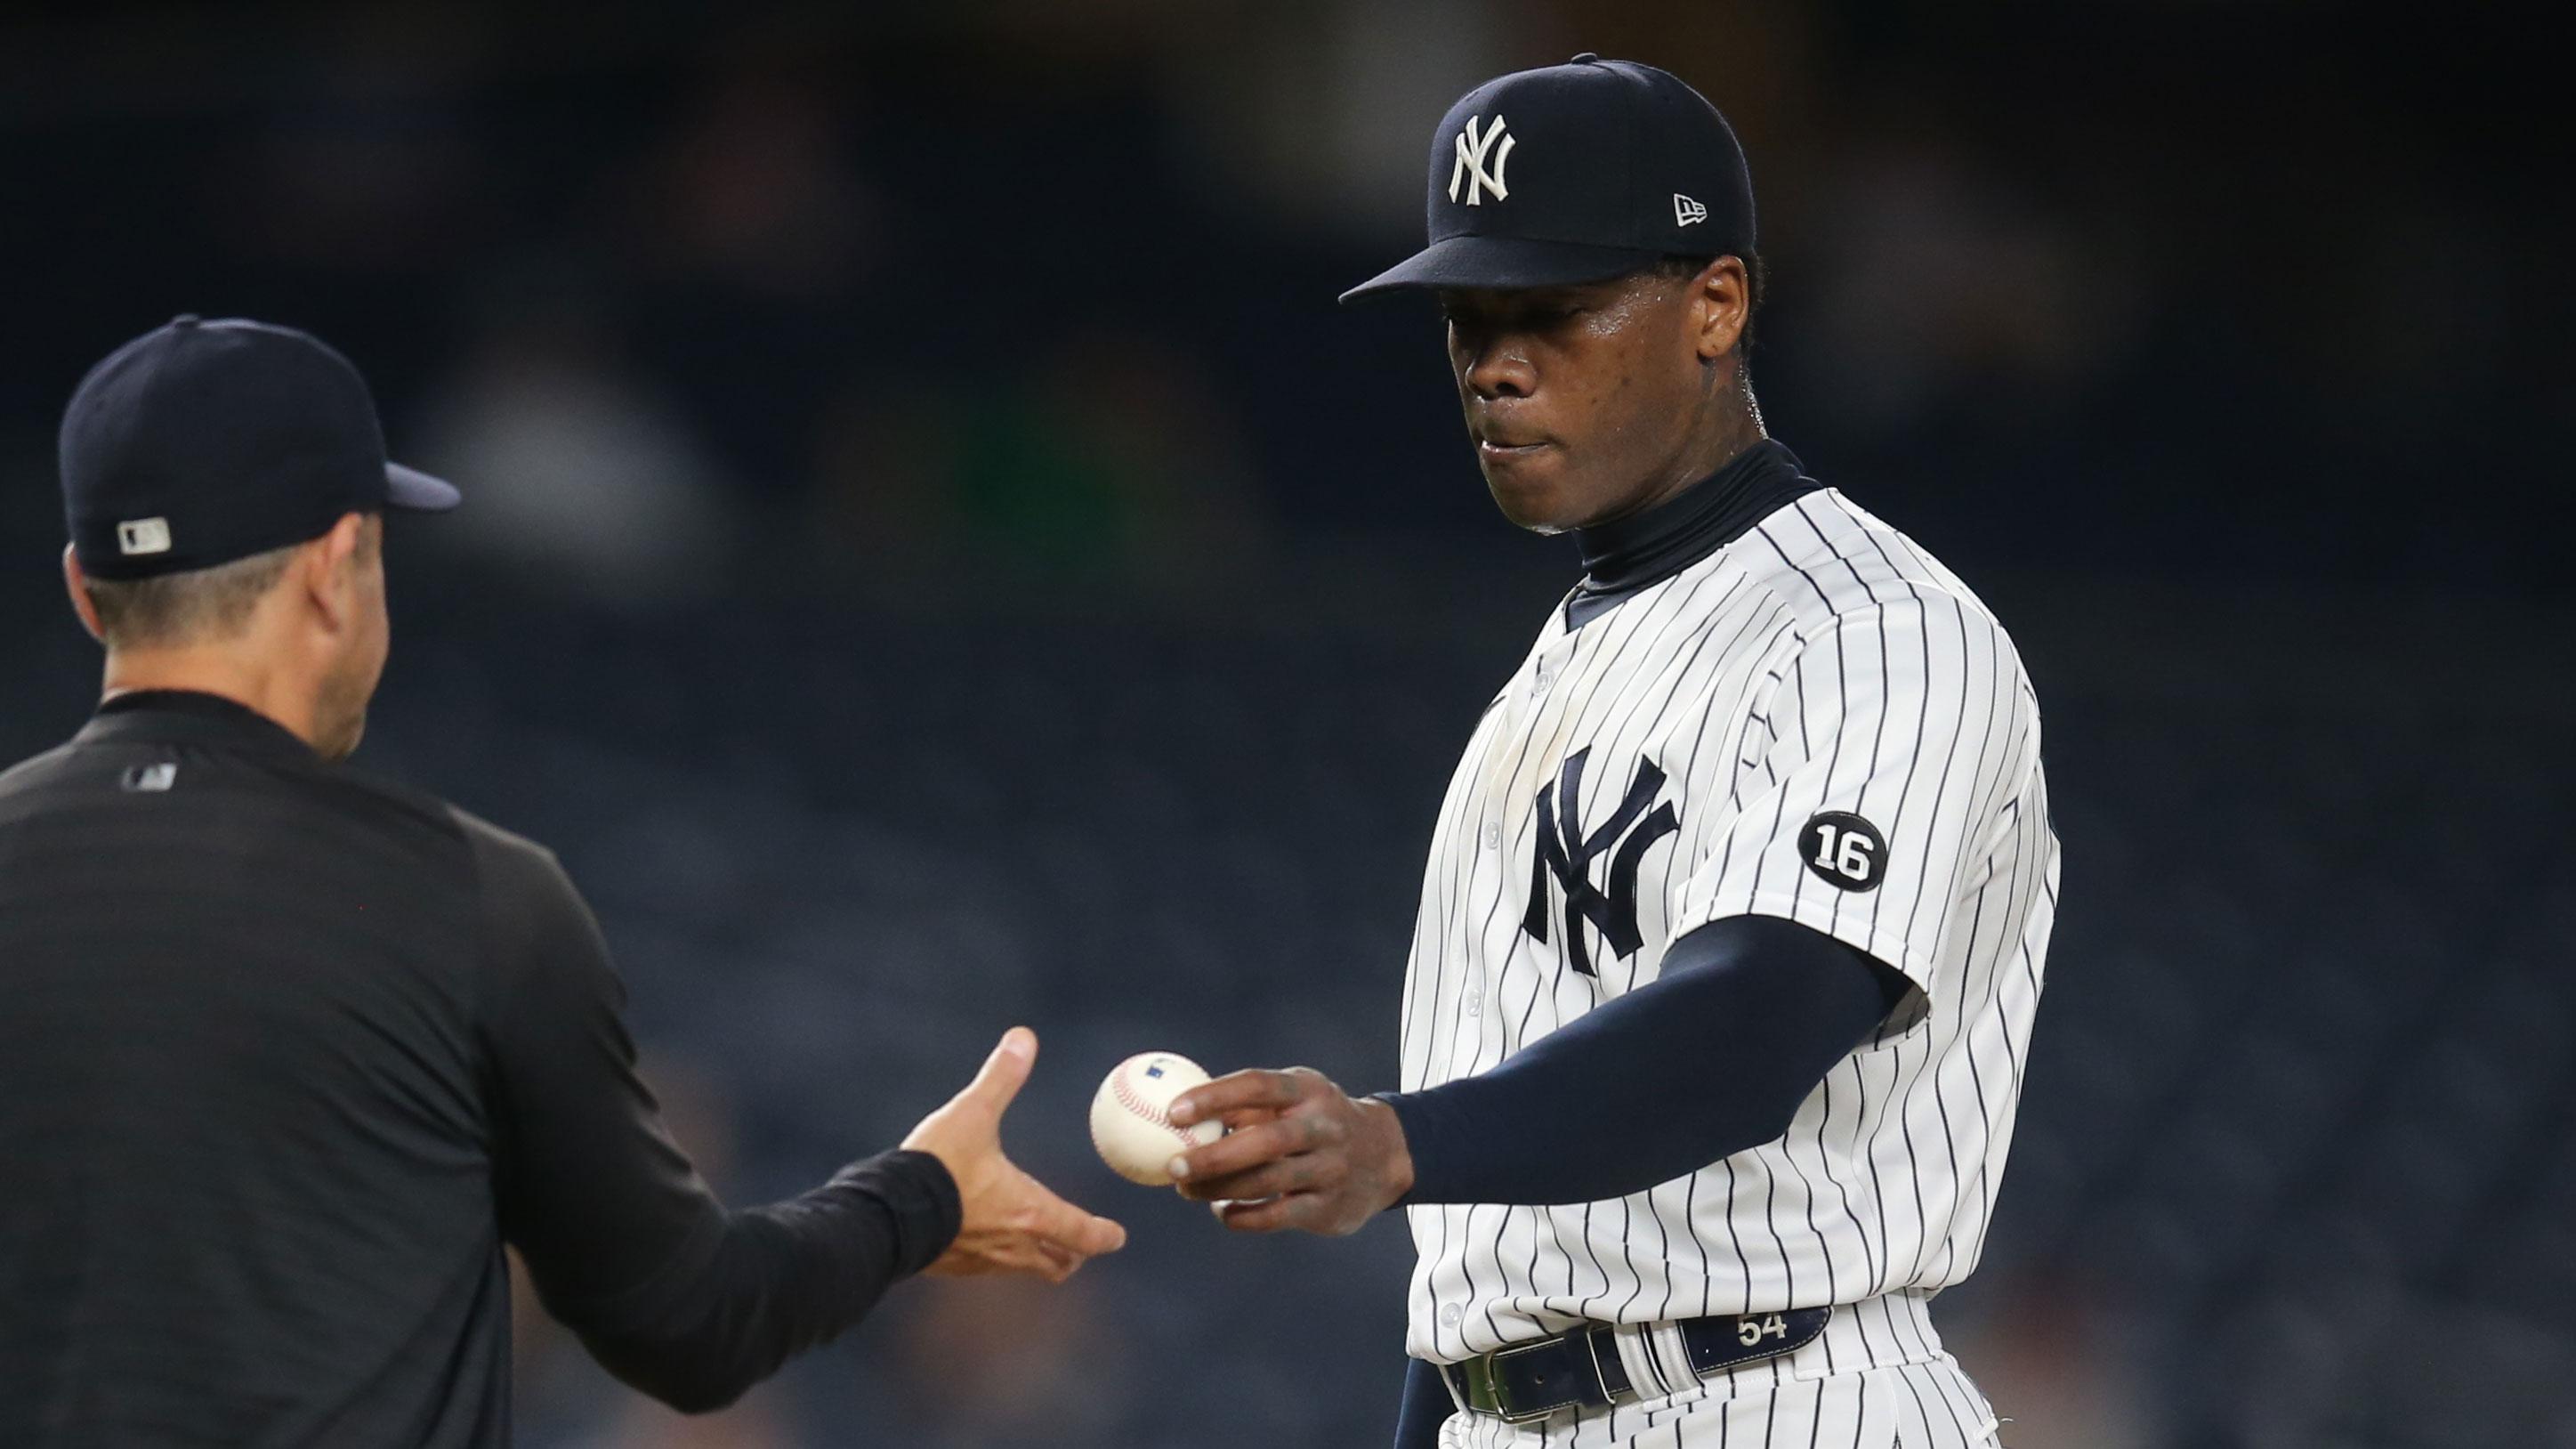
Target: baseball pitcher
1738 904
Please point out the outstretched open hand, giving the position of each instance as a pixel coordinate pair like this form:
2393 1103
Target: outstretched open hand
1011 1223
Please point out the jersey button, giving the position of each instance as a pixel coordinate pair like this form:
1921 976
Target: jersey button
1493 837
1450 1314
1475 1002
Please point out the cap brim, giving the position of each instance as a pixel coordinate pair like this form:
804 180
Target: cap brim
409 488
1503 261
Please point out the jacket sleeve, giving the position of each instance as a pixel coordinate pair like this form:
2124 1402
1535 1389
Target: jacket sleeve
626 1244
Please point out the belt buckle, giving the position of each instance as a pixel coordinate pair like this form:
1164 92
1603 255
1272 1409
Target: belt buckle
1519 1416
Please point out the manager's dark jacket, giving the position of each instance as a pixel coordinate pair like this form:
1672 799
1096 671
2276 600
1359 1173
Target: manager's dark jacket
286 1055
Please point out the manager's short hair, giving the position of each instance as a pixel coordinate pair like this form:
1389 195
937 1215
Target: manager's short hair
191 607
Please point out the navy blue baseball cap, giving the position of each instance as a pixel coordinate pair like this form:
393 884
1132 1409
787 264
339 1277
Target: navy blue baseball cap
203 442
1577 173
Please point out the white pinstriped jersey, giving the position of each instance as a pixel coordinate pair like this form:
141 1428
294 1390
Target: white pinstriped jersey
1819 722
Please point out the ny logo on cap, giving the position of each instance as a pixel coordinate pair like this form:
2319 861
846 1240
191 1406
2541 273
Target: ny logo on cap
143 535
1687 211
1470 168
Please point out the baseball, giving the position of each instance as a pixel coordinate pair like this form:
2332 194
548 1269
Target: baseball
1127 1122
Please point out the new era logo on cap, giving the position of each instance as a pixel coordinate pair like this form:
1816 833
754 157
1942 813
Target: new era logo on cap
1687 211
143 535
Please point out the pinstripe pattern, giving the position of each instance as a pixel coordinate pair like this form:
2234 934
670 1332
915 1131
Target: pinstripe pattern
1820 663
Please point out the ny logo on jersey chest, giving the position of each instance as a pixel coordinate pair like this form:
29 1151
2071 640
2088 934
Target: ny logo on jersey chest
1566 853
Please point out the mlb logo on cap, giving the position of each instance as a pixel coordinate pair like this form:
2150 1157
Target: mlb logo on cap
143 535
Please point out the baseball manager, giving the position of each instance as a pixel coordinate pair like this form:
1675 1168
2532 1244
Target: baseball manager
288 1053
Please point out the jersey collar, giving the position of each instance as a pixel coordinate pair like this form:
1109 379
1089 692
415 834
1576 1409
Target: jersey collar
1623 557
187 716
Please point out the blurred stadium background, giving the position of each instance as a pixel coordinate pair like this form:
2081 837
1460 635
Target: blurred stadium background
939 558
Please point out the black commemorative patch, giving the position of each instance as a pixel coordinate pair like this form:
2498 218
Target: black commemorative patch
1843 850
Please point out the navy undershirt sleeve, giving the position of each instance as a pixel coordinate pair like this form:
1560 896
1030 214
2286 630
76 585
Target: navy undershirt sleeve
1712 1057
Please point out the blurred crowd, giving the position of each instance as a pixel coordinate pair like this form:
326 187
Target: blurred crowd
863 290
937 556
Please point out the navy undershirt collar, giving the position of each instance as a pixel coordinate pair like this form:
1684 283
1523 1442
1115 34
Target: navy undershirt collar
1628 555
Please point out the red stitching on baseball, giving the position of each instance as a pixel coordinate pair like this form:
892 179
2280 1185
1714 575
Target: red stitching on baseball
1128 1099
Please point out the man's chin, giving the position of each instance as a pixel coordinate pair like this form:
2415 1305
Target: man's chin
1526 503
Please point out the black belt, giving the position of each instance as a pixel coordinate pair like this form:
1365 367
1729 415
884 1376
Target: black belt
1520 1382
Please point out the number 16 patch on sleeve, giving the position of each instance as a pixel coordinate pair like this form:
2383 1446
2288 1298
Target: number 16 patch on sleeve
1844 850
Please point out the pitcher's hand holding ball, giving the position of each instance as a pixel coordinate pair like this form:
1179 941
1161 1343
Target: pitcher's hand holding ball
1299 1152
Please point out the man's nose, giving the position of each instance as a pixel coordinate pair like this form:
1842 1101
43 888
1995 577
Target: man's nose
1499 367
